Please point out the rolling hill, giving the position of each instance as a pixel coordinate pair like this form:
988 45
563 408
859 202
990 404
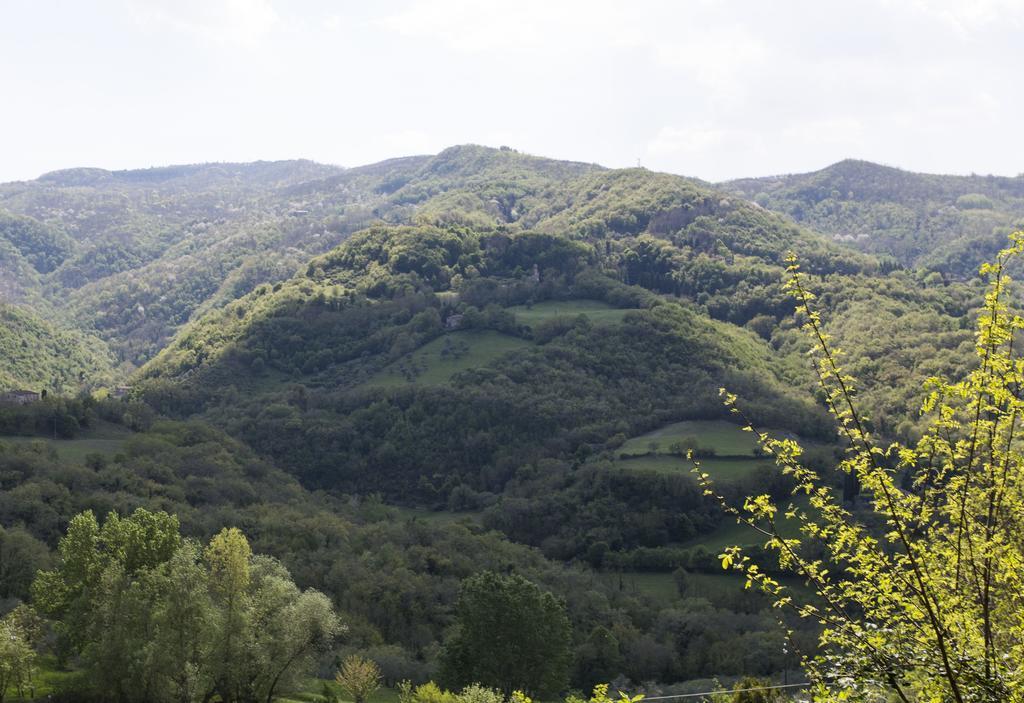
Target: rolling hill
132 256
36 355
393 374
949 224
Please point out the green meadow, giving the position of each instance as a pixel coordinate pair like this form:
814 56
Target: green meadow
104 438
438 360
594 309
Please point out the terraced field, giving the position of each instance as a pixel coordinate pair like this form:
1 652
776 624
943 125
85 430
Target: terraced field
437 361
735 457
662 451
731 533
594 309
725 438
724 449
725 468
104 439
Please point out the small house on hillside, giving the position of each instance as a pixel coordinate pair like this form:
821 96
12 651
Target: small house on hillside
120 391
20 397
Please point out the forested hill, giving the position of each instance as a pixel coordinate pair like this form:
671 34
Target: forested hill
131 256
533 311
538 313
947 223
36 355
394 375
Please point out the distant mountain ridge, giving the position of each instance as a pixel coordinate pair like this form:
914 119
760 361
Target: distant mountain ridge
286 170
131 257
947 223
135 254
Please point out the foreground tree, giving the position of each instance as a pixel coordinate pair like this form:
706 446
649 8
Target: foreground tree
509 635
921 595
156 618
17 658
359 677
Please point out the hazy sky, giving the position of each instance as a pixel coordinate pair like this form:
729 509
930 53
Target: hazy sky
703 88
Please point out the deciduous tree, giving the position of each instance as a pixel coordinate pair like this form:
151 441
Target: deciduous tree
928 605
510 635
359 677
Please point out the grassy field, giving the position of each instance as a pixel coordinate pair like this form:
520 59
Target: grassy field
735 450
593 309
726 469
47 680
731 533
437 361
726 438
656 585
104 439
74 450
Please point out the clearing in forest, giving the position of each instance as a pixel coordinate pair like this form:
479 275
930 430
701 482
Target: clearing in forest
595 310
438 360
105 439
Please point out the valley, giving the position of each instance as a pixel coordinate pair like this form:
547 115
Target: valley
396 376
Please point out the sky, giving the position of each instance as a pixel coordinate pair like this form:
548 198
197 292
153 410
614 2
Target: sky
705 88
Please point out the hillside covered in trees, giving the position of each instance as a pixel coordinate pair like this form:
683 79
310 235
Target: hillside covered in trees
397 376
949 224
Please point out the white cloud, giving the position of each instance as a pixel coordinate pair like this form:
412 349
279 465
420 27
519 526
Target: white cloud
244 23
472 26
966 17
407 142
711 88
673 141
844 131
701 42
713 59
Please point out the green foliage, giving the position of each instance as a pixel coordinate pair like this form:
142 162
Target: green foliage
600 695
17 658
974 201
53 416
131 257
430 692
21 556
926 607
754 690
475 693
154 618
44 248
394 574
595 306
37 355
88 554
508 634
358 677
951 223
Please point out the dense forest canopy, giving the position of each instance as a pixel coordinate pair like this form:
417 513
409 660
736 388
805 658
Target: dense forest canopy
394 377
949 224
